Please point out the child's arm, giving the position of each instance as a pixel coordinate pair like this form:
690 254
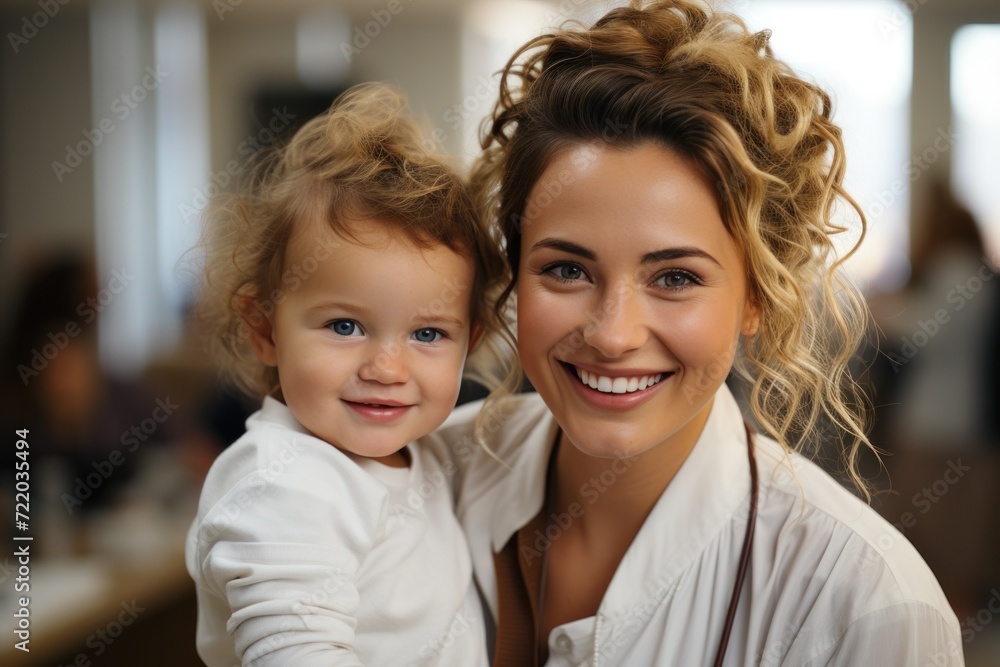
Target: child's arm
282 549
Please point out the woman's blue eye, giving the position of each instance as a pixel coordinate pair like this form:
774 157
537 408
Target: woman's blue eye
428 335
344 327
676 280
566 271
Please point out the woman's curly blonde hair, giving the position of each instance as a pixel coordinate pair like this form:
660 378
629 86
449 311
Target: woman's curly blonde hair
700 83
363 159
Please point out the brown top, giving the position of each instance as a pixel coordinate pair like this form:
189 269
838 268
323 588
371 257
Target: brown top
520 571
519 580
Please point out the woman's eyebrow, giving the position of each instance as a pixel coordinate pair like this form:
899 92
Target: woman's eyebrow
648 258
566 246
677 253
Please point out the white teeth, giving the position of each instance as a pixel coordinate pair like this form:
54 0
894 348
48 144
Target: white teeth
618 385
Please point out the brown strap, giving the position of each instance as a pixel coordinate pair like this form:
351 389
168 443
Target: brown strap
741 572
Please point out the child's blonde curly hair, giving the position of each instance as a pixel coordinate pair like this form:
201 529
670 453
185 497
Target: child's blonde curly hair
364 158
700 83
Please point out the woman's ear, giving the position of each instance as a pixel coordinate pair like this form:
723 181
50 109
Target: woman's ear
261 330
751 319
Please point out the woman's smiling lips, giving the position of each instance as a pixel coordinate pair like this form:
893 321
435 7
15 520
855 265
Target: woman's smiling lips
378 410
615 390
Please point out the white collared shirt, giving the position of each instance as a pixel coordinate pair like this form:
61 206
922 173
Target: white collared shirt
830 582
304 555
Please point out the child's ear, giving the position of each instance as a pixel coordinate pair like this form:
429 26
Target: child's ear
475 336
261 335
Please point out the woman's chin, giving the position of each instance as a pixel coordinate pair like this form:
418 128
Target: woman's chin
607 445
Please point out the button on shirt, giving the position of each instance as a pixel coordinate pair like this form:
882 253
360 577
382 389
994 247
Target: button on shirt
830 582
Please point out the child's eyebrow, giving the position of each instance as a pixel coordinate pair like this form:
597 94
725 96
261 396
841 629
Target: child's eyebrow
440 320
329 305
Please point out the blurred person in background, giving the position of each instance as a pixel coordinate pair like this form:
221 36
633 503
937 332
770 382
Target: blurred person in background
938 391
88 431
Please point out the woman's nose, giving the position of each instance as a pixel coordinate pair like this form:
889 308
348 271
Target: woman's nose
617 325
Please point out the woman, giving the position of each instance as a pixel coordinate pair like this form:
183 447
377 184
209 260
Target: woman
664 187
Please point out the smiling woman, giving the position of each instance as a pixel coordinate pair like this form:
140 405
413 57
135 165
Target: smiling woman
665 189
625 307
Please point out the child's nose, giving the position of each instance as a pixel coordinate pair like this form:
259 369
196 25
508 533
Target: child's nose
385 364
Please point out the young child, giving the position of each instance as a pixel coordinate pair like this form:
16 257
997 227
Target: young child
347 288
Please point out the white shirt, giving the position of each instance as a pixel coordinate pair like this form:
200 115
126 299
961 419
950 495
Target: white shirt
303 555
830 582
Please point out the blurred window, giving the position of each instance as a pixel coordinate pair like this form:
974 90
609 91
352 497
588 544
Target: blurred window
183 182
975 98
861 53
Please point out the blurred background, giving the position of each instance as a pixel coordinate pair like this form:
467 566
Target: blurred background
120 120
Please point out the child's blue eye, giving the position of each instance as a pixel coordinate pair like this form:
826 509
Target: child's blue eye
344 327
428 335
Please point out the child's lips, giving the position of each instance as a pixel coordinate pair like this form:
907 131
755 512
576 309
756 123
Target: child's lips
380 411
378 402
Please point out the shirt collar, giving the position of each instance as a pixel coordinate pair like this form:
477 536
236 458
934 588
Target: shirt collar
710 486
273 411
524 490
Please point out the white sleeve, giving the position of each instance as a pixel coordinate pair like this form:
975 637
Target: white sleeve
908 633
284 551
